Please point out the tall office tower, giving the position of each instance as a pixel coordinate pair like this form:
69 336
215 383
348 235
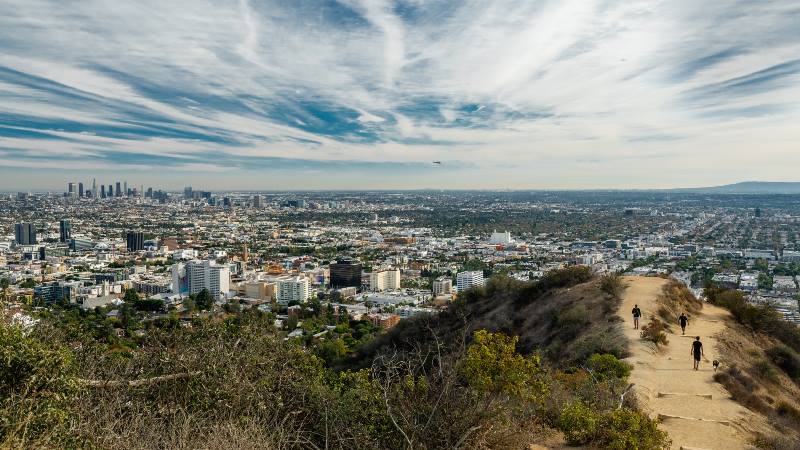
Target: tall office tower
467 280
102 191
346 272
187 192
119 190
80 190
125 192
25 233
94 187
64 230
194 276
70 188
257 201
135 240
110 192
149 193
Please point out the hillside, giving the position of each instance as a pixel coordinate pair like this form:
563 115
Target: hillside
514 365
566 317
749 187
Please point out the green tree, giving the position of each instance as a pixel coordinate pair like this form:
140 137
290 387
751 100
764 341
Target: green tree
493 366
204 300
131 296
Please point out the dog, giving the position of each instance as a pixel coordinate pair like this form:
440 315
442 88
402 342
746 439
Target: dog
715 364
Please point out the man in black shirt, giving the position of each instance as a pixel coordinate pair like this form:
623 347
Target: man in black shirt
683 320
697 352
637 313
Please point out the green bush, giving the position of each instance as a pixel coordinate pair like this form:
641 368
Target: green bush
579 423
626 429
36 391
787 359
608 366
654 332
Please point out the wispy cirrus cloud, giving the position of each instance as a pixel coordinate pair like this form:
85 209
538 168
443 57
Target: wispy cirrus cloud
515 92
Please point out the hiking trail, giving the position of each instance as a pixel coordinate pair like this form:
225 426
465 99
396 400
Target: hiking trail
695 410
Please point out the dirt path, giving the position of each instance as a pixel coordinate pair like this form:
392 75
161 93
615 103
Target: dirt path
695 410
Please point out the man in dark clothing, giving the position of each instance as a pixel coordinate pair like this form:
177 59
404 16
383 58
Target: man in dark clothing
697 352
637 313
683 320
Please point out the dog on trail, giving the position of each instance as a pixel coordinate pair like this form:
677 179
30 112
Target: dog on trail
715 364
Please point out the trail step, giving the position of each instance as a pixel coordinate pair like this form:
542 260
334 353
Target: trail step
675 394
670 416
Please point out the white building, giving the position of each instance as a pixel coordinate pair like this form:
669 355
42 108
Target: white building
467 280
292 289
194 276
384 280
501 238
442 286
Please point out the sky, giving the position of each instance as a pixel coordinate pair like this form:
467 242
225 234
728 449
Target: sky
365 94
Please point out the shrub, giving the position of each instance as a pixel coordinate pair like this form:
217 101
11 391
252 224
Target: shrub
787 359
654 332
765 370
605 340
579 423
612 285
626 429
608 366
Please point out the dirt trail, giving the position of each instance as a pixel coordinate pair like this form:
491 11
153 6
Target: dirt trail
695 410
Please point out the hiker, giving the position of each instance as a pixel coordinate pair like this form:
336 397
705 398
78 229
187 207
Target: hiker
683 320
697 352
637 313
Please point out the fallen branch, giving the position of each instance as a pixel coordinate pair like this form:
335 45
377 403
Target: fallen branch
139 382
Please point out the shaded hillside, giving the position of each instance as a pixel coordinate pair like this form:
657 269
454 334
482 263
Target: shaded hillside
567 316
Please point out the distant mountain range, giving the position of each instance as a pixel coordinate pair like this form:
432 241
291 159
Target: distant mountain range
749 187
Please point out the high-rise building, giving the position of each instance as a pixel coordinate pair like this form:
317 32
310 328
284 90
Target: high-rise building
25 233
94 187
187 192
258 201
110 191
345 272
64 230
118 192
135 241
125 190
194 276
468 280
102 191
70 188
442 286
292 289
80 190
384 280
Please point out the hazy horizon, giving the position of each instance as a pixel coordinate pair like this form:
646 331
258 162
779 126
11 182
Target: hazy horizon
367 94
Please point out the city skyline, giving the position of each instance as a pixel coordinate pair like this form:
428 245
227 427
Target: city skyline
368 94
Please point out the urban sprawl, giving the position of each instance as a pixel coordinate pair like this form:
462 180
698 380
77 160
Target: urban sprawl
316 259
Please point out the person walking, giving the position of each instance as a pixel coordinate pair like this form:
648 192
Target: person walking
637 314
683 320
697 352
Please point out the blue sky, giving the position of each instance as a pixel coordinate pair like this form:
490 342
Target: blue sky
367 93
